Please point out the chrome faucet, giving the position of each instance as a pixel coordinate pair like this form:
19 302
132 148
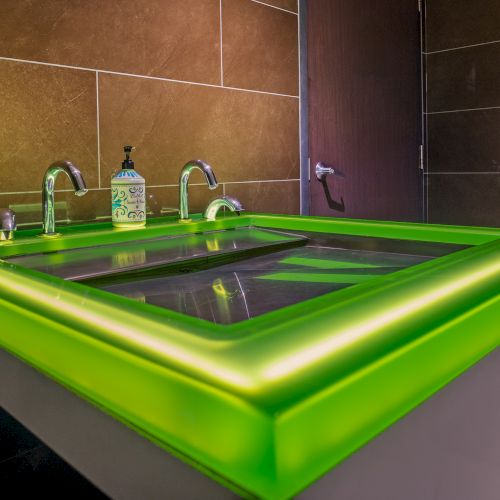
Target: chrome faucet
222 201
7 224
75 176
183 184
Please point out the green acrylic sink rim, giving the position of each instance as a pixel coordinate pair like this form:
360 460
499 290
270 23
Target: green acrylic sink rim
83 235
230 376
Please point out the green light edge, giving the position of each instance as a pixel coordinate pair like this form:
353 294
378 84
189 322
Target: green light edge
286 417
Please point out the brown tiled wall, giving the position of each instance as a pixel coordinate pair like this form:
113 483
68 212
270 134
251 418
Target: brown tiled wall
462 51
178 79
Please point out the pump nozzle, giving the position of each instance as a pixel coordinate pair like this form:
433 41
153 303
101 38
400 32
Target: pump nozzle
128 163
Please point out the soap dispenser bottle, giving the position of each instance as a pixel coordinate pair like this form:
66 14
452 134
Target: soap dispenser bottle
128 195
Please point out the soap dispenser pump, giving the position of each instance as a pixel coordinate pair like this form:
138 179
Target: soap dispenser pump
128 195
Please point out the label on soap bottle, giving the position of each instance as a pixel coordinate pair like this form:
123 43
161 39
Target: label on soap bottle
128 200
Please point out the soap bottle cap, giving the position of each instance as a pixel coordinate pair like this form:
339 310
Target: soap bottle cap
128 163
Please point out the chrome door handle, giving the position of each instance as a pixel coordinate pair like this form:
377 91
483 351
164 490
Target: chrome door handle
322 170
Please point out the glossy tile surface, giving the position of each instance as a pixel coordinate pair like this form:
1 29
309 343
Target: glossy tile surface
48 114
172 39
242 135
464 142
463 92
96 204
165 200
455 23
464 199
464 79
259 47
267 197
68 207
85 112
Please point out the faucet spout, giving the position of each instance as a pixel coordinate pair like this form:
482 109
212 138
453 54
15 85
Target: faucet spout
222 201
48 186
183 184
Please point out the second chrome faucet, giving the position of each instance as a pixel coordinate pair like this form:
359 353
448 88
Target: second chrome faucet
211 211
183 184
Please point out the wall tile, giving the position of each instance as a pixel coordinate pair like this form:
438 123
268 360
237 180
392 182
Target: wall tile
464 199
283 4
52 111
268 197
260 47
68 207
166 38
455 23
464 79
243 135
464 142
48 114
165 200
96 205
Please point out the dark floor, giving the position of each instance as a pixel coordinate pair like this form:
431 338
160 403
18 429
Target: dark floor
29 468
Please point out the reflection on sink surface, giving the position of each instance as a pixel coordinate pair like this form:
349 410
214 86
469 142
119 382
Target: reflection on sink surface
85 263
242 290
233 275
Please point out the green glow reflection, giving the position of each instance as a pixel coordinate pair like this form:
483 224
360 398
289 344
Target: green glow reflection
319 278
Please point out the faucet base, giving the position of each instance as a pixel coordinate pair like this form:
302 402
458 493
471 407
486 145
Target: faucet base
6 236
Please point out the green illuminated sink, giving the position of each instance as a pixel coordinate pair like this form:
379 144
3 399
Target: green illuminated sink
262 349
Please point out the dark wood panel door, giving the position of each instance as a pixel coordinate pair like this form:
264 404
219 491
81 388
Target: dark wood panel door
364 108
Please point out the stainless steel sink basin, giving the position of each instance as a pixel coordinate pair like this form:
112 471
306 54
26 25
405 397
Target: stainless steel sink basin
233 275
201 249
244 285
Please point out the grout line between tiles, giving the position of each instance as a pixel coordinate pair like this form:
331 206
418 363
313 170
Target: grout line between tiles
300 112
274 7
7 193
462 47
220 41
98 130
145 77
260 92
426 170
462 173
426 200
262 181
423 118
460 110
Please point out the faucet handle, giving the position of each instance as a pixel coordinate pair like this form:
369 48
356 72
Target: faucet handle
322 170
